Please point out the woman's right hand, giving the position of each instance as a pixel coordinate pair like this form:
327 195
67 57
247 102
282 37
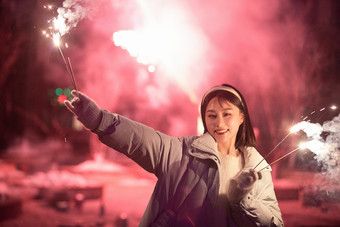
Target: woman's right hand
85 109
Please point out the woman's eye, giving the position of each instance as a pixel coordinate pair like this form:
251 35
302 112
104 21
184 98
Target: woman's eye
211 116
226 114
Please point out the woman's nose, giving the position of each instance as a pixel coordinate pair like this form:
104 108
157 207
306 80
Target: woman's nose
220 121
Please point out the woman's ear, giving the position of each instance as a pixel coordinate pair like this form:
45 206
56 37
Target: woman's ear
241 119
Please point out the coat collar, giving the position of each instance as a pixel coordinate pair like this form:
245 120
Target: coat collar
207 144
252 158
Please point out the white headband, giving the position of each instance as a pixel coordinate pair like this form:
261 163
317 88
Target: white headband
222 88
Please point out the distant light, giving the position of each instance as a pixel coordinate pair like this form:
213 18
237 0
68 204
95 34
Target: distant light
59 91
62 98
334 107
67 92
151 68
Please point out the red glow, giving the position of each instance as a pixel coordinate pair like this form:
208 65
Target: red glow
62 98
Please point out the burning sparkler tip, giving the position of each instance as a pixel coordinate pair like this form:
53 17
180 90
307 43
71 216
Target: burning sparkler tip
303 145
294 129
334 107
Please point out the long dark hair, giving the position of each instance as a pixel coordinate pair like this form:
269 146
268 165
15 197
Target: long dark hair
245 136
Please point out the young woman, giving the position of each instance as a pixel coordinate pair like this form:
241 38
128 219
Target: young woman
203 180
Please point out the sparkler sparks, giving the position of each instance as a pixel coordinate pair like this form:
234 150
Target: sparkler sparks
304 118
326 148
56 32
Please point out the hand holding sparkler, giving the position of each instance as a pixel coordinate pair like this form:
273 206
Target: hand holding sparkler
241 185
85 109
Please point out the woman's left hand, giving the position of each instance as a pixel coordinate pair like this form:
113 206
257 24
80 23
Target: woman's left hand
247 179
242 185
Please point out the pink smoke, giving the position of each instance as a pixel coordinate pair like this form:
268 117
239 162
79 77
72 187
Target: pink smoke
260 47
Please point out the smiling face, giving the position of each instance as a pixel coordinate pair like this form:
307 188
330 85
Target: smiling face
223 120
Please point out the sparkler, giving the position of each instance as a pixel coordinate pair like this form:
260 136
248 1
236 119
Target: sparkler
56 35
289 153
313 132
273 149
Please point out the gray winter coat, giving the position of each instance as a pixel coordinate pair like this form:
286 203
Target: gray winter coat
187 169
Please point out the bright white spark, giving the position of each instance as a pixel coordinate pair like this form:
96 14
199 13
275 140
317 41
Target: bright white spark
56 39
316 146
311 130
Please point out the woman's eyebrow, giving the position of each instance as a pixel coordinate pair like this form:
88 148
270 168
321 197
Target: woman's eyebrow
213 111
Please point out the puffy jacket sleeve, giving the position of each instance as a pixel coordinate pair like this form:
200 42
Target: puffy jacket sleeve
147 147
260 206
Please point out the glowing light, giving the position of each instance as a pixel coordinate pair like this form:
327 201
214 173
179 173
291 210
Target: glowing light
60 25
138 45
311 130
56 39
59 91
48 7
151 68
333 107
303 145
173 44
316 146
62 98
294 129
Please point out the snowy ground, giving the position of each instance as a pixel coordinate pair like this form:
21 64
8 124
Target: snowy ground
126 191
